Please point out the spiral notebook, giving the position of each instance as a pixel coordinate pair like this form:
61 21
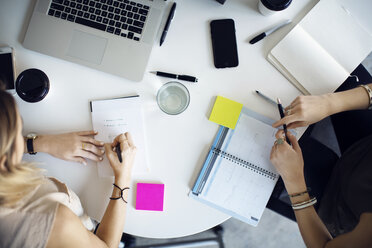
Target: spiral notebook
237 177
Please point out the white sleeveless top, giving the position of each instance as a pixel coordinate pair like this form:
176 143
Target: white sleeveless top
30 222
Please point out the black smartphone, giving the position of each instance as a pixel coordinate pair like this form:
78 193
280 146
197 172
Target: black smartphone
225 51
7 70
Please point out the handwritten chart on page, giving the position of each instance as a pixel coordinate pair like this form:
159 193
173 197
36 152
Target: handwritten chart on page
238 188
115 116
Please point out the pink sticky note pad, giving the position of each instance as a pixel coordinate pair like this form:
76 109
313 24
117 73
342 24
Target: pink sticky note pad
150 196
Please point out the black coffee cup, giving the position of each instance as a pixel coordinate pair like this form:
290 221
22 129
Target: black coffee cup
32 85
269 7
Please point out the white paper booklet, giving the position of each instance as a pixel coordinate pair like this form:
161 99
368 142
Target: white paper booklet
115 116
324 48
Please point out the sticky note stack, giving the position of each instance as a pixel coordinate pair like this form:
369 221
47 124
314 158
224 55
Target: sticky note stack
226 112
150 196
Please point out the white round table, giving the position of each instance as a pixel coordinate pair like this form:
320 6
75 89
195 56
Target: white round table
177 145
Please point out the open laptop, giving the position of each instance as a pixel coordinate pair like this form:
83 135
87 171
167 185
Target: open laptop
114 36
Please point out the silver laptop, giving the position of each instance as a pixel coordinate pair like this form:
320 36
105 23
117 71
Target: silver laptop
114 36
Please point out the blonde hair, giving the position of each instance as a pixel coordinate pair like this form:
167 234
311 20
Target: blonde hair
16 180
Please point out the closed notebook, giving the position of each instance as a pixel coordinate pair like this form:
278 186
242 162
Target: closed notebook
321 51
112 117
237 176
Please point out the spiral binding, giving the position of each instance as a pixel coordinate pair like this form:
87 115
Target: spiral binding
245 164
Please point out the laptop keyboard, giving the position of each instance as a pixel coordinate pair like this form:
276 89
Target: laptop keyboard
119 17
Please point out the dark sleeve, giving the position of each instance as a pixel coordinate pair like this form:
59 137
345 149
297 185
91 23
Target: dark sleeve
349 190
359 191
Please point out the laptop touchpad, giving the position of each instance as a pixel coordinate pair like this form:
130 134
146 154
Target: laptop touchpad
87 47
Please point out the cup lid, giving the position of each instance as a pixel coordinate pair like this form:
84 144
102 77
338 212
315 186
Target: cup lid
32 85
276 5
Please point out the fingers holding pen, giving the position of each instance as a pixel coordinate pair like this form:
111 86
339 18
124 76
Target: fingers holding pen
127 153
285 120
130 139
119 139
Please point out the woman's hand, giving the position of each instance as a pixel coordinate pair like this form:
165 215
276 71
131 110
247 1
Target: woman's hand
288 162
128 152
306 110
76 146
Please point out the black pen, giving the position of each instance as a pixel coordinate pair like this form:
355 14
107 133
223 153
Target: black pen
171 75
118 152
167 24
281 112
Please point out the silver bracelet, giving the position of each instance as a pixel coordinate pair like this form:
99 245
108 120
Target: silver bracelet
369 92
304 204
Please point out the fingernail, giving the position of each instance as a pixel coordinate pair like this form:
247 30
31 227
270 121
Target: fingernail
101 143
84 163
102 151
101 158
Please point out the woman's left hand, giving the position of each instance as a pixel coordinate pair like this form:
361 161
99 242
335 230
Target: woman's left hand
288 161
76 146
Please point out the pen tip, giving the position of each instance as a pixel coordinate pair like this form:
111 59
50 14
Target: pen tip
278 99
154 72
257 91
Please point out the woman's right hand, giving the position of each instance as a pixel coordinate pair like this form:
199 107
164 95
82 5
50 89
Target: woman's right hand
288 161
306 110
128 152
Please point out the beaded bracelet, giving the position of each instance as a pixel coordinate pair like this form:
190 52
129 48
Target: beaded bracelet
121 193
300 193
304 204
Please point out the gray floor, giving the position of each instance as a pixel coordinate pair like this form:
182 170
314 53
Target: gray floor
368 63
272 231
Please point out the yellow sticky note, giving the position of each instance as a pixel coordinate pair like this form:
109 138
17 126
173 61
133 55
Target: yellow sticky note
226 112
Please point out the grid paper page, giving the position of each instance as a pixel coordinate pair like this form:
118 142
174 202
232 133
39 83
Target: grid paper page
242 190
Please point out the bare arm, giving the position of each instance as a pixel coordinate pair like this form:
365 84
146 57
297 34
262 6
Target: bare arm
289 163
306 110
68 230
353 99
112 224
75 146
313 231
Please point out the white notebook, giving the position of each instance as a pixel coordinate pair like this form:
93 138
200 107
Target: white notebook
115 116
322 50
237 177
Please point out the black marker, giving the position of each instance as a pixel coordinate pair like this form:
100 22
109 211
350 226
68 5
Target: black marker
118 152
281 112
268 32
